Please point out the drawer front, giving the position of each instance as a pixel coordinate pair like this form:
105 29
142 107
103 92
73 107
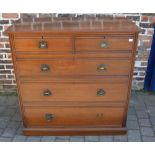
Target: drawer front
48 44
73 116
103 44
73 67
46 91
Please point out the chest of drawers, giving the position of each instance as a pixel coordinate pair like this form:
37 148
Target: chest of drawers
73 76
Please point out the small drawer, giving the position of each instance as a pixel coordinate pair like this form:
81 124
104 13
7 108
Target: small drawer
73 91
103 43
55 44
72 67
73 116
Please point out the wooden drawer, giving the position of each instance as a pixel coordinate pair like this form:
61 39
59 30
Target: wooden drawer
73 67
73 91
103 43
56 44
73 116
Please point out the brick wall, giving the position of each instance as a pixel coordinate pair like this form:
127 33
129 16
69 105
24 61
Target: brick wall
145 21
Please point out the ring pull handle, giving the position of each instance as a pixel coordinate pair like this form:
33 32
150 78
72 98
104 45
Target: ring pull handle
47 92
43 44
49 117
100 92
44 67
104 44
102 67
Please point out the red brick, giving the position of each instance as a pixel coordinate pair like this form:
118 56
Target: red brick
144 37
5 27
2 76
6 81
139 78
5 61
120 17
4 39
62 18
5 72
143 31
150 32
1 56
152 19
4 34
11 76
9 86
9 56
146 25
9 66
9 15
13 71
1 45
5 51
143 63
147 44
47 15
142 73
7 45
27 15
4 21
135 18
135 73
1 66
148 14
43 19
144 18
103 16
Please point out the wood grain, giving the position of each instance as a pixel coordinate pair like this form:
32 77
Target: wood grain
44 25
73 91
75 50
57 44
94 43
72 67
74 116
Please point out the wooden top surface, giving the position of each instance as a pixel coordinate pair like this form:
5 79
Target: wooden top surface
72 24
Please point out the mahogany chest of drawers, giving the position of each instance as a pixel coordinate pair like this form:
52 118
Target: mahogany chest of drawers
73 75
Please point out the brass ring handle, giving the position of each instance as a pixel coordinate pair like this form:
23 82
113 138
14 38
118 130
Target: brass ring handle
47 92
43 44
44 67
100 92
102 67
104 44
49 117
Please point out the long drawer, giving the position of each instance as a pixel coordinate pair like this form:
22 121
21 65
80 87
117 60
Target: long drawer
73 91
103 43
58 67
73 116
53 44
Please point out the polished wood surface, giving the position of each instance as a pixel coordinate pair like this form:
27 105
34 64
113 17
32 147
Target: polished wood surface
74 131
73 91
54 44
126 55
73 75
74 116
94 43
51 24
70 67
